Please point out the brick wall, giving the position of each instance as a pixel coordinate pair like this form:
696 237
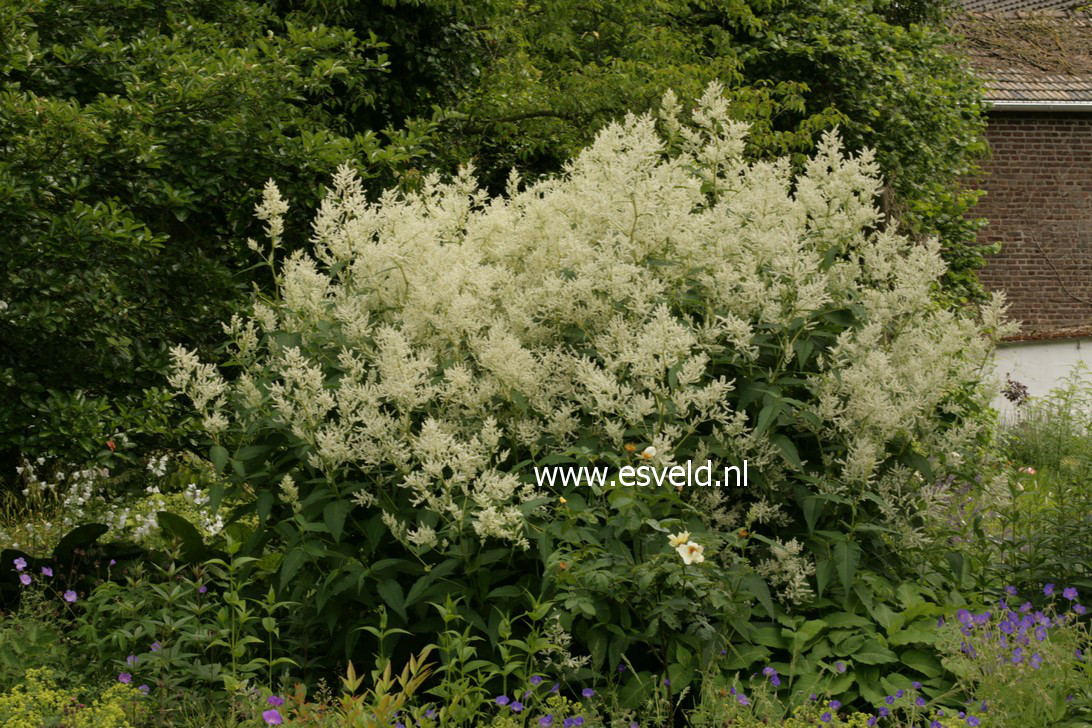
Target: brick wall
1039 203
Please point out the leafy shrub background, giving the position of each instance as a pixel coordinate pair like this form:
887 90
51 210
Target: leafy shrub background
394 394
136 137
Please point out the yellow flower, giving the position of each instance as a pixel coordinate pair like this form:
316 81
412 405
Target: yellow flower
691 552
630 447
678 539
563 500
648 453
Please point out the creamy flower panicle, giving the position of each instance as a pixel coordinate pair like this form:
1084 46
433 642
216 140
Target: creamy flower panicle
431 334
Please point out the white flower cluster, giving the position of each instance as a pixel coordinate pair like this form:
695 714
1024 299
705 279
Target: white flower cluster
788 569
64 499
440 329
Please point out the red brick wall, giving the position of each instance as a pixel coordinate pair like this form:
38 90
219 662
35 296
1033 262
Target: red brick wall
1039 204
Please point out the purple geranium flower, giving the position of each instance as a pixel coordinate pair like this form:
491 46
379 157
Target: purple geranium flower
840 666
502 700
1079 608
546 720
516 706
46 571
20 563
125 678
835 704
70 596
536 680
587 692
25 578
144 689
275 700
1048 589
1069 593
825 717
272 717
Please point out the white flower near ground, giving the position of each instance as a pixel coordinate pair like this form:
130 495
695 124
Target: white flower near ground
678 539
691 553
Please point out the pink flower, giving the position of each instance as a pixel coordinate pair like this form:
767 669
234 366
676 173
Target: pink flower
20 563
272 717
70 596
25 578
46 571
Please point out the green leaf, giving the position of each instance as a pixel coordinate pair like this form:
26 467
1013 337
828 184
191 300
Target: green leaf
218 455
334 516
177 528
290 565
924 662
788 449
771 408
846 557
756 586
78 538
873 653
391 592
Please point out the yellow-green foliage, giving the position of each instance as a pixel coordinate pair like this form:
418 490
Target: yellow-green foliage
39 702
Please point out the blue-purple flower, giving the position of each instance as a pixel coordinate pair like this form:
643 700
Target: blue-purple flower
125 678
587 692
272 717
503 700
20 563
1069 593
1048 589
275 700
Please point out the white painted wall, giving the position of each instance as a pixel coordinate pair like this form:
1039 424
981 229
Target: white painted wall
1040 365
